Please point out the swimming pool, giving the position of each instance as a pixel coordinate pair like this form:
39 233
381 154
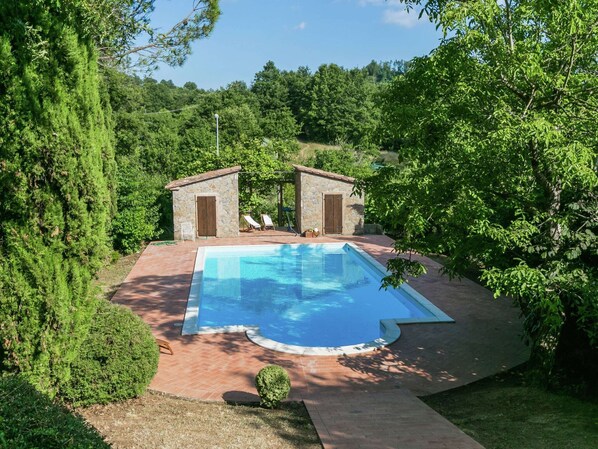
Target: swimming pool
303 298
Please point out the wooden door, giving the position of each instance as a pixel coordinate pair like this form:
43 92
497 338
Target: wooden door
333 214
206 216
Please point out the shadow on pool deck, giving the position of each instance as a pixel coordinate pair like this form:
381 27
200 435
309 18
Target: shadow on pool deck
354 401
428 358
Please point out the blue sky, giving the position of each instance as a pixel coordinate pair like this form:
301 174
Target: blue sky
295 33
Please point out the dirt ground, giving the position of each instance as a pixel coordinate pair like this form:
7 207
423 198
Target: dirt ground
112 276
155 421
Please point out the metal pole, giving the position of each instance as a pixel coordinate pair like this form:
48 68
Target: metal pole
217 141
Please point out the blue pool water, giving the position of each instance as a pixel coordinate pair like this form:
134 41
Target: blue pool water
306 295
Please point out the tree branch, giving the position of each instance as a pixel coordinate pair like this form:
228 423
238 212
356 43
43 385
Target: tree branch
511 42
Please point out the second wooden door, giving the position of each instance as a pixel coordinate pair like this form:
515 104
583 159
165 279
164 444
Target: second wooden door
333 214
206 216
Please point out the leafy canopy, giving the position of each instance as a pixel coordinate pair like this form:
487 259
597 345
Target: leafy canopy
124 36
499 147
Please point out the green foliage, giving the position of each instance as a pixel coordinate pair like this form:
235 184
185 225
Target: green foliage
384 71
340 107
346 162
280 124
117 361
270 89
56 166
45 310
262 160
273 385
238 123
138 216
30 420
298 84
498 131
122 32
164 132
272 94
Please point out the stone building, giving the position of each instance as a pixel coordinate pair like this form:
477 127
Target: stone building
323 200
206 205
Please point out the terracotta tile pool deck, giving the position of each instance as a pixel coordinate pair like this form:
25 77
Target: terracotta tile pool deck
427 358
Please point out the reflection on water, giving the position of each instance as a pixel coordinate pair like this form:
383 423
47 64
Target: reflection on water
310 295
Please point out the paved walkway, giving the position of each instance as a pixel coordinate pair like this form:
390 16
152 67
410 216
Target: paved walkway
382 420
428 358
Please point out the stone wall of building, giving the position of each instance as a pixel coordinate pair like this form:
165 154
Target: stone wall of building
310 209
298 223
225 189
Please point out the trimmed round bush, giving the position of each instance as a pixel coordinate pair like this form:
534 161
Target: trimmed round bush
117 360
273 385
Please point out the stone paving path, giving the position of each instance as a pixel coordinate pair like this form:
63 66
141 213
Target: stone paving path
428 358
382 420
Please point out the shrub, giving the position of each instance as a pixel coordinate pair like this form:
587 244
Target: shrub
138 215
273 385
29 419
56 178
117 361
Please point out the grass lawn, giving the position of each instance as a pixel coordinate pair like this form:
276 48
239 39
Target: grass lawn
505 412
111 276
501 412
307 150
158 421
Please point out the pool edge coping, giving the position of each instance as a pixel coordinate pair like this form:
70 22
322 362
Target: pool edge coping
392 331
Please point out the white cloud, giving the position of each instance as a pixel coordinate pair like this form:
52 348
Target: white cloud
395 13
401 17
301 26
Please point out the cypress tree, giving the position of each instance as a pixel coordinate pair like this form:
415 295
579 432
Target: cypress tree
56 167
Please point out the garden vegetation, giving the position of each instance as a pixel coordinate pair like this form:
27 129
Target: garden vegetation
112 366
273 385
29 419
57 176
495 133
498 165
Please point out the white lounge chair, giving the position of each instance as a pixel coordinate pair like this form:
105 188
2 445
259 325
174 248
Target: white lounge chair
252 223
267 221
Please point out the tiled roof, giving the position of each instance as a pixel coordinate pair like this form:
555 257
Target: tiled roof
325 174
174 185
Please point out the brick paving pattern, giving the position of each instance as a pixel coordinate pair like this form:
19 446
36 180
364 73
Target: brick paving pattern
428 358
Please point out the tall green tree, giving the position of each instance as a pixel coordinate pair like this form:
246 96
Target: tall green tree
57 162
56 169
340 106
277 120
385 71
269 88
298 83
499 149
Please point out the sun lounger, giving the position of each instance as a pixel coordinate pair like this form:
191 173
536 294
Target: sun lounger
252 223
267 221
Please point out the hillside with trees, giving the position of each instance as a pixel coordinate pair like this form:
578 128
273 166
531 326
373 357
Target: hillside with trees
165 132
494 133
